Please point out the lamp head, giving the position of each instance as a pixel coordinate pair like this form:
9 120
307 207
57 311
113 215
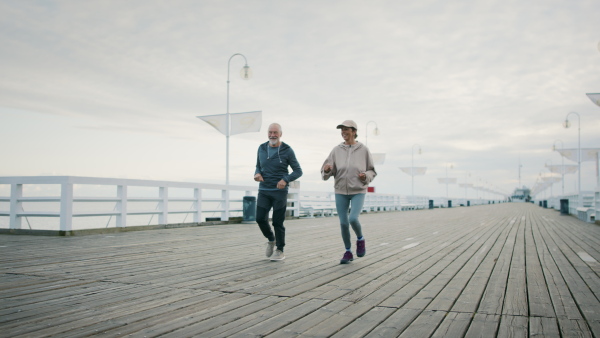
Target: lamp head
376 131
566 124
246 73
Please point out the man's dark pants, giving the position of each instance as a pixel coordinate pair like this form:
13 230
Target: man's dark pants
276 199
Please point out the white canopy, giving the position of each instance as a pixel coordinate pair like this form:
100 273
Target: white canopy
378 158
595 97
562 169
449 180
414 171
240 122
587 154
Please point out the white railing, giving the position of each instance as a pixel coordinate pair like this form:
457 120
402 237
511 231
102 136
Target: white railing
64 198
216 197
597 205
588 211
442 202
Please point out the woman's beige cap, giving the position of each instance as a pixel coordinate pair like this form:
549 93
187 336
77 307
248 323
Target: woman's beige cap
347 123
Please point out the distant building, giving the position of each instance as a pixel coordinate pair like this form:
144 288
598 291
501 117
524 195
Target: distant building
521 195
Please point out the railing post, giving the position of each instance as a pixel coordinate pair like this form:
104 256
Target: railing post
225 213
293 198
16 192
122 206
198 205
66 206
164 195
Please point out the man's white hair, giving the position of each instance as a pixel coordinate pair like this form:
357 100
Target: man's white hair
276 124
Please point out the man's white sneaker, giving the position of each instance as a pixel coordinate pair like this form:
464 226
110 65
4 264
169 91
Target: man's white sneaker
278 255
270 247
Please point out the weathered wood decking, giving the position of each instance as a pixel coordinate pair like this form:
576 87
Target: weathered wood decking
497 270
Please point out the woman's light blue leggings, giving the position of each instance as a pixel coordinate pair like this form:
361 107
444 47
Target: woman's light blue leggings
355 203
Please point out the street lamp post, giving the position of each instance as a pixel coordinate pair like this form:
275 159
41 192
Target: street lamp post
551 181
375 132
246 74
520 166
451 166
567 124
467 174
562 169
412 170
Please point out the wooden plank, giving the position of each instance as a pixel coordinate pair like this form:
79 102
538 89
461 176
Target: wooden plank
395 324
515 300
86 317
189 316
513 326
543 327
169 318
585 298
241 318
455 324
299 327
424 325
574 328
470 296
563 304
365 323
427 272
483 326
456 261
406 284
538 296
281 318
493 297
447 298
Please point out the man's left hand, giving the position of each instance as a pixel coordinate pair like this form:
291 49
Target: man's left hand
281 184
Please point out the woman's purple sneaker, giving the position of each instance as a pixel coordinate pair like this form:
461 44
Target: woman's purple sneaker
347 258
361 250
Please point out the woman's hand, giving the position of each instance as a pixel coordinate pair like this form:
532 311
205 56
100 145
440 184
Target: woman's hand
327 168
362 176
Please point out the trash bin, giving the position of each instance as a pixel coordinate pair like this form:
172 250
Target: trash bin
545 204
430 204
249 205
564 206
449 204
468 203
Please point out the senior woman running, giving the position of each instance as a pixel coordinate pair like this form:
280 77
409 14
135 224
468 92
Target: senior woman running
351 164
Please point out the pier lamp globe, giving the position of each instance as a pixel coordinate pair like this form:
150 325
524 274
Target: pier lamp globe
246 73
375 131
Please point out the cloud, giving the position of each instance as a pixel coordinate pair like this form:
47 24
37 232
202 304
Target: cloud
476 83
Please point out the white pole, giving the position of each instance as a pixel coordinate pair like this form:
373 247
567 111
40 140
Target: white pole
66 206
580 202
228 132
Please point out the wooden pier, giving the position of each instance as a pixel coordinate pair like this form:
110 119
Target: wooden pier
501 270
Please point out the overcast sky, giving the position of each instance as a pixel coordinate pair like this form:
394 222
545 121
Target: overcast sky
113 88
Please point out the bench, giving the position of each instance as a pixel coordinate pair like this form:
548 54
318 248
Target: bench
586 214
309 209
406 205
